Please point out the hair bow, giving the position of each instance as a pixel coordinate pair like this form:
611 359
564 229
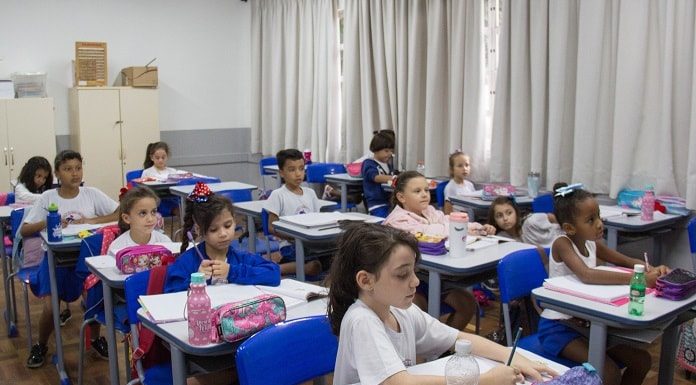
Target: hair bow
563 191
122 192
201 192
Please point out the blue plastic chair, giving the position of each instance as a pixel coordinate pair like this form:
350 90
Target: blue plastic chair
308 340
270 243
317 172
135 286
691 230
518 274
543 204
268 161
133 174
440 194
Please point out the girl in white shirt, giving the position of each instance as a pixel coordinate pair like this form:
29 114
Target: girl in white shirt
137 220
373 284
155 165
35 178
460 168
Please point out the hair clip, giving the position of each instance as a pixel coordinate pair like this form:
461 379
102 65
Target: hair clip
512 199
562 191
201 192
122 192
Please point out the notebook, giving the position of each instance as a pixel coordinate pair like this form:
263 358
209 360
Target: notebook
616 211
296 289
475 243
313 220
615 295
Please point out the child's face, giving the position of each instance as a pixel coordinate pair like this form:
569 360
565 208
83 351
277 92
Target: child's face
505 216
220 233
70 173
293 172
159 158
461 167
384 155
40 177
142 216
397 282
588 225
416 195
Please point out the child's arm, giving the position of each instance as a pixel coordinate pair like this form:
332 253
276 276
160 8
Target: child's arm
179 273
382 178
102 219
563 249
272 217
28 229
250 269
614 257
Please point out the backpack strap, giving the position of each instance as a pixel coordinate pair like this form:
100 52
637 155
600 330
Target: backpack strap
155 285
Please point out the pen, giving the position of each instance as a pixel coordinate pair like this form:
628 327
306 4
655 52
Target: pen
195 246
647 263
514 345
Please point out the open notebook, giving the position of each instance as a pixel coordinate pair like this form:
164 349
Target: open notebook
616 295
163 308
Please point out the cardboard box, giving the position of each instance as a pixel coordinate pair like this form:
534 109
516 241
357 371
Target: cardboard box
139 76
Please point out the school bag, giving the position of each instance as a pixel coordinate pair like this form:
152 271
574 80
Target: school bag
134 259
238 320
584 374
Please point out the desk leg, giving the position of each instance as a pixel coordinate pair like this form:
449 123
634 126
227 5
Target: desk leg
178 366
299 260
612 238
667 355
56 318
110 334
344 197
9 314
598 344
434 290
251 228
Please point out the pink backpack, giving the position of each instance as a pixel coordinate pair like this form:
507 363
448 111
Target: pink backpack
134 259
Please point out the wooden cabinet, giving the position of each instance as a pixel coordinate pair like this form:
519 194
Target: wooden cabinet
26 129
111 127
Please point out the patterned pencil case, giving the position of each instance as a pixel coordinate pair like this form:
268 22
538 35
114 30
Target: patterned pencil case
238 320
676 285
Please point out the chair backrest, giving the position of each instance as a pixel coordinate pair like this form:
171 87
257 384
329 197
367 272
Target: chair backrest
519 273
10 198
543 203
440 193
16 217
316 172
269 161
691 230
309 341
135 286
133 174
236 196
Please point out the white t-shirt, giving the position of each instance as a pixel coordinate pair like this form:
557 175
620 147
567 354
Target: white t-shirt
285 202
23 195
453 188
369 352
90 202
153 172
124 240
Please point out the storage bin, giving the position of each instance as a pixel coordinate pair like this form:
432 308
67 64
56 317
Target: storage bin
29 84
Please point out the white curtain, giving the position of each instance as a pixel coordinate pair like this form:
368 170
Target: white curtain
295 77
599 92
416 67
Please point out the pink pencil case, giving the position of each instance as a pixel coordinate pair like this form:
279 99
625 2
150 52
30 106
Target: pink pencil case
134 259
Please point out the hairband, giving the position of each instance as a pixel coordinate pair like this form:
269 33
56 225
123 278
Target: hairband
562 191
201 192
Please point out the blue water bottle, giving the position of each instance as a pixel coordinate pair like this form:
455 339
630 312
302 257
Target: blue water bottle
53 225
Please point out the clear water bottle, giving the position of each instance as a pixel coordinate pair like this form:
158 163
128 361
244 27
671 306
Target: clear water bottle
458 230
647 205
420 167
636 304
54 227
462 368
533 182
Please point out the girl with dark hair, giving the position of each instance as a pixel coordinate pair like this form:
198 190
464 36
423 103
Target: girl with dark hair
137 219
35 178
155 164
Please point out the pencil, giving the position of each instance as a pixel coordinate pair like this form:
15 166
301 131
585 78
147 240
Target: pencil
647 264
514 345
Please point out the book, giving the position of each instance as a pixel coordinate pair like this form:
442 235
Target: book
296 289
615 295
474 243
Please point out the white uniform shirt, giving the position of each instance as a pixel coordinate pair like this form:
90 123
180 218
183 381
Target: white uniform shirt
23 195
453 188
369 352
124 240
90 202
161 175
284 202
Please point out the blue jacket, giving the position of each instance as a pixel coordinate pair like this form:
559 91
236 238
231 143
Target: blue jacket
245 269
372 191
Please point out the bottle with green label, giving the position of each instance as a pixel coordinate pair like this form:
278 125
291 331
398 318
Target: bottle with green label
637 294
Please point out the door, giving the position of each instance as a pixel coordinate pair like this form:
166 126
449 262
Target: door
5 185
30 131
140 116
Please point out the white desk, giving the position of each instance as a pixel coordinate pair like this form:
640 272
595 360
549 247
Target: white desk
344 180
183 191
176 335
659 313
437 367
470 265
304 234
274 169
252 210
70 246
631 224
10 316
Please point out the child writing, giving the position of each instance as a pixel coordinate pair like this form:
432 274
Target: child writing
578 252
290 199
459 167
376 171
373 284
413 213
535 228
155 165
76 204
209 217
35 178
137 220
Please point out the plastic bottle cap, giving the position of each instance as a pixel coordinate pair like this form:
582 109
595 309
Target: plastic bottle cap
53 207
197 278
462 346
638 268
458 217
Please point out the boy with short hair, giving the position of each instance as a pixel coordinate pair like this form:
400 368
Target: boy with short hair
290 199
376 171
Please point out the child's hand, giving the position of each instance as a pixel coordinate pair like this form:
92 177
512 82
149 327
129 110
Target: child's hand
490 230
652 276
501 375
206 268
532 369
662 270
220 270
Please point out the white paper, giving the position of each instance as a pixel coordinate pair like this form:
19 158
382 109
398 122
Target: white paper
570 284
295 289
615 211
